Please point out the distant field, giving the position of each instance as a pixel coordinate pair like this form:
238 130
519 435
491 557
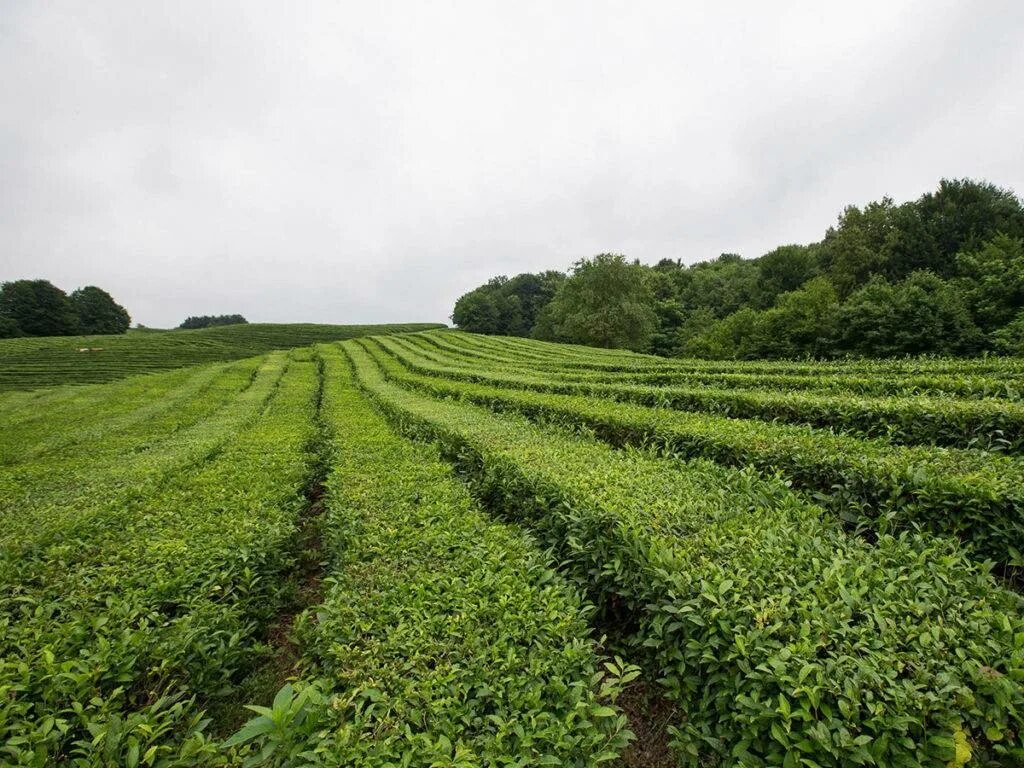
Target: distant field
31 363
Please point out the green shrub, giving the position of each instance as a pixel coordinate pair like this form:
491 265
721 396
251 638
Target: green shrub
991 424
444 638
973 495
784 640
136 579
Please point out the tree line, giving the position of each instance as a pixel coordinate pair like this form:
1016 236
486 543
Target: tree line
942 274
39 308
205 321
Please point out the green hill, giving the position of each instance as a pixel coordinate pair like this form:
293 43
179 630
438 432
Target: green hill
28 363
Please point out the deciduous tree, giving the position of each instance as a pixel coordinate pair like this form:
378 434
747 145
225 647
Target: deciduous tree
36 308
606 302
98 312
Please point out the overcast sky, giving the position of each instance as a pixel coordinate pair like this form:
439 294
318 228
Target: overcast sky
371 161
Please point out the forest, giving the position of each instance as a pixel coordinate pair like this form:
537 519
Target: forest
939 275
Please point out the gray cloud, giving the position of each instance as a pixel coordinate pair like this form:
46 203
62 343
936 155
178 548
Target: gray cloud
358 162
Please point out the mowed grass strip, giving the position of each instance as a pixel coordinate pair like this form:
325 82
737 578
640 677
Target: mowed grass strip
119 621
444 637
784 640
976 496
991 424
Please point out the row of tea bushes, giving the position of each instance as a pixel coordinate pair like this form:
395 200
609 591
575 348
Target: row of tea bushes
783 639
989 424
567 356
444 638
31 363
147 597
96 414
998 384
975 496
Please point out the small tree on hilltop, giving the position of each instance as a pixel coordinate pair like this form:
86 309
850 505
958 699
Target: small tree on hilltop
98 312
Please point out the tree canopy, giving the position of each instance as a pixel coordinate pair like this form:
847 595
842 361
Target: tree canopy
36 308
507 306
943 274
205 321
98 312
605 302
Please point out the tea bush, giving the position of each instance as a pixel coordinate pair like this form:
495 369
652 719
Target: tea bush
784 640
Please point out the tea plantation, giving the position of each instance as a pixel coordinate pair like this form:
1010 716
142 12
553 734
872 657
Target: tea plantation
29 363
352 546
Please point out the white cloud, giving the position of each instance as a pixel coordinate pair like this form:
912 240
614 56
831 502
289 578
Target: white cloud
362 162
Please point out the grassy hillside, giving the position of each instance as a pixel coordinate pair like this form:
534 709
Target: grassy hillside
41 362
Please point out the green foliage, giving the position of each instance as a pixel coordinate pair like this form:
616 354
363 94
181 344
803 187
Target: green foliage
31 363
9 328
756 536
36 308
98 313
1009 340
444 638
938 275
972 495
853 250
723 285
506 306
734 336
668 311
922 314
606 302
990 424
727 286
785 269
972 379
926 234
799 324
961 216
284 729
783 638
206 321
993 281
137 572
482 309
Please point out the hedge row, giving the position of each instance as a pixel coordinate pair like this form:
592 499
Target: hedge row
987 424
153 587
40 495
30 363
570 356
784 640
444 638
977 497
967 385
97 417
